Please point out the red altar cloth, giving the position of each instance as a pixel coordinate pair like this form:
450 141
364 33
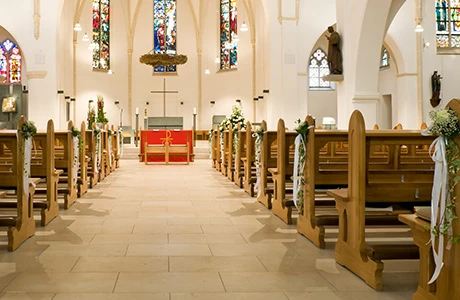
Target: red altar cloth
155 137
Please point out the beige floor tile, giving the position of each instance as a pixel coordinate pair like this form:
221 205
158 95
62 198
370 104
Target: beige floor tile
250 250
121 264
274 282
215 264
111 228
203 238
113 296
312 296
37 264
169 282
26 296
287 263
199 221
250 229
167 229
228 296
169 250
373 296
6 278
63 283
86 250
135 238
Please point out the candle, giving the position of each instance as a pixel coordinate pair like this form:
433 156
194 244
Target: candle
194 110
137 110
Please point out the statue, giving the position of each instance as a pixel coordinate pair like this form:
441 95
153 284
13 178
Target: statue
334 55
436 89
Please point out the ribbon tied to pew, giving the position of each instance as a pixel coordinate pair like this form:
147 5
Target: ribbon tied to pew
440 197
259 134
299 162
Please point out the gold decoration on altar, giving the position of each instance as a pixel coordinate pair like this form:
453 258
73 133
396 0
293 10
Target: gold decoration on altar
163 59
168 138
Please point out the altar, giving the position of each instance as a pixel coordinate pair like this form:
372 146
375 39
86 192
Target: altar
162 137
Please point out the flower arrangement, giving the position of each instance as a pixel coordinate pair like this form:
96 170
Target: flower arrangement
445 124
162 59
91 115
235 118
446 154
76 133
299 163
100 111
28 129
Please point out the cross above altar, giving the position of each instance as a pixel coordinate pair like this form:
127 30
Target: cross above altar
164 92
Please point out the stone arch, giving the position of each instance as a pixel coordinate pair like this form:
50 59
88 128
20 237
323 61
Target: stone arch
377 18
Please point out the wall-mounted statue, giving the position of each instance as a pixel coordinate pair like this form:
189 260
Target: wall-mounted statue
436 89
334 55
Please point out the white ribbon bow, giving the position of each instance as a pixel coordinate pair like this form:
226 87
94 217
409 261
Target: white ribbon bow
439 199
298 165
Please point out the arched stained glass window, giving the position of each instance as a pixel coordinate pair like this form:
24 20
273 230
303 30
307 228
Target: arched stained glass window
101 35
317 69
228 35
164 31
10 63
385 59
447 23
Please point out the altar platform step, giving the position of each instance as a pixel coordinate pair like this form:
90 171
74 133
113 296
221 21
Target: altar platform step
201 151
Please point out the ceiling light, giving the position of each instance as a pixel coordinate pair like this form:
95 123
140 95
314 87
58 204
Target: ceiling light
77 27
207 72
85 38
244 27
217 60
110 72
418 28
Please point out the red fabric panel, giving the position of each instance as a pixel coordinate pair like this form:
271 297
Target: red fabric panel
153 137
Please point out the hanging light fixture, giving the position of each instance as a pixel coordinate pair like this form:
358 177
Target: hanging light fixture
110 72
244 27
217 60
85 38
418 28
77 27
207 72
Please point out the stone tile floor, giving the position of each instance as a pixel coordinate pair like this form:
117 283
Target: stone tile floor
180 232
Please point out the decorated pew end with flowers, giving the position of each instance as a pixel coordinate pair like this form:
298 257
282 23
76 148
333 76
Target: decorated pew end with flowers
436 229
399 184
20 223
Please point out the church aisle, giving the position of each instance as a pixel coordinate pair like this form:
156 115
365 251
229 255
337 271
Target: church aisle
180 232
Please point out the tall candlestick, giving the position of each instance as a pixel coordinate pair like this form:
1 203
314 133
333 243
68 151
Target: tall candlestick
137 110
194 110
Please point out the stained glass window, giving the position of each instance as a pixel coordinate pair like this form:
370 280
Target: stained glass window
101 34
228 35
164 31
10 62
385 59
447 23
317 69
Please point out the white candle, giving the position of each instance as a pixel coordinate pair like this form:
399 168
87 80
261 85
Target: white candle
194 110
137 110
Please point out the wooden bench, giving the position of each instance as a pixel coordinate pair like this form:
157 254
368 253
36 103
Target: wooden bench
225 150
82 182
446 286
167 149
42 166
65 160
21 225
248 161
90 151
215 148
376 186
268 160
283 203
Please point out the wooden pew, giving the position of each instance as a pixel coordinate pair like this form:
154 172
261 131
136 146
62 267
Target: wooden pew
82 182
231 153
372 186
215 152
90 150
446 286
65 160
42 166
115 148
21 225
106 160
320 172
268 160
227 147
282 204
249 178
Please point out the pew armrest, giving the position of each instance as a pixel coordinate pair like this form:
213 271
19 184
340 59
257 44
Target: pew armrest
273 171
339 194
